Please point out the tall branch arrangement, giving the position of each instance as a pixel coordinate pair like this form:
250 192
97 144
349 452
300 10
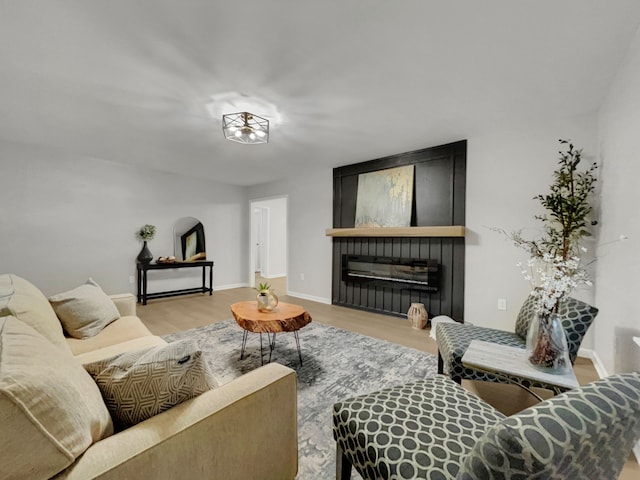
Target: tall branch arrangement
567 205
554 268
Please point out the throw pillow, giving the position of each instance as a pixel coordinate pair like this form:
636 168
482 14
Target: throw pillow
85 310
138 385
51 410
21 299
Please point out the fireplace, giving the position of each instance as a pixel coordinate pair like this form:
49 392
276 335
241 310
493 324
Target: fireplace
386 269
392 272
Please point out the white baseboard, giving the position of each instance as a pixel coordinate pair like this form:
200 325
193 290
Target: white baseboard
309 297
230 286
597 363
275 275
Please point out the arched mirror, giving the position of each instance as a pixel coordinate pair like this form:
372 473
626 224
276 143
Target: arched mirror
188 241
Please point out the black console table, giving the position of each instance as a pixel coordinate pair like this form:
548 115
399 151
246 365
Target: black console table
143 268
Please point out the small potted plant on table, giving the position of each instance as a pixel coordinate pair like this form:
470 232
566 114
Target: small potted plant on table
267 299
146 233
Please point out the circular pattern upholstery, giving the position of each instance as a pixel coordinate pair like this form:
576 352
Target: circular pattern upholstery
585 433
526 315
576 317
420 430
454 338
435 429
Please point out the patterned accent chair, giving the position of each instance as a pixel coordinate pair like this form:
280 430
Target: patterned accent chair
435 429
454 339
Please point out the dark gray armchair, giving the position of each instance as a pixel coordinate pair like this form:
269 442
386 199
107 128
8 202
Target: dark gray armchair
435 429
454 338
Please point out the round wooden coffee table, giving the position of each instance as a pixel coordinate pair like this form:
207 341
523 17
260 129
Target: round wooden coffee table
286 317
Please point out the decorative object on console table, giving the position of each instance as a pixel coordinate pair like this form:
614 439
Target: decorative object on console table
554 268
193 244
266 298
189 240
170 259
146 233
417 316
145 255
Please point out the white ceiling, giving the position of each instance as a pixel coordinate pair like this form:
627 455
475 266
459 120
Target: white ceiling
342 81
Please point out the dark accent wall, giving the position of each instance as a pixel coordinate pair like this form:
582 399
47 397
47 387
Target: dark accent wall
439 199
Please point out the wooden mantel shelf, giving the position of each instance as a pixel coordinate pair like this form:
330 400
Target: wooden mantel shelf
440 231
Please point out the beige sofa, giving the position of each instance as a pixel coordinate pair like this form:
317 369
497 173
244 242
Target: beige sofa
243 429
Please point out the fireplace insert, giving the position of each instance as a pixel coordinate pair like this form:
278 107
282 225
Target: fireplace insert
398 273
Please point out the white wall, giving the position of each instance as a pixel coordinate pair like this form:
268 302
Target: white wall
65 218
310 200
275 262
505 170
618 276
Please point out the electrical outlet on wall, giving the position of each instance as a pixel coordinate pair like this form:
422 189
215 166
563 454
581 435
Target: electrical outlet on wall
131 279
502 304
302 276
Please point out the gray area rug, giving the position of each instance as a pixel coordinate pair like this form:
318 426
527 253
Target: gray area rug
337 364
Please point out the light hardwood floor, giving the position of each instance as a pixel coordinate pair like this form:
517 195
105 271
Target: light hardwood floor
164 316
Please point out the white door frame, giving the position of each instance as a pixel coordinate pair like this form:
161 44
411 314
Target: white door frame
261 239
253 234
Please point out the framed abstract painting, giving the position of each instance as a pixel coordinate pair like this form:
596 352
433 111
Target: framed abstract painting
385 197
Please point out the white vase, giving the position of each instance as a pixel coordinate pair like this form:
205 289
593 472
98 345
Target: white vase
267 301
417 316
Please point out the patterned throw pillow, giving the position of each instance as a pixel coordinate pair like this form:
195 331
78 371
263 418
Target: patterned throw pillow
85 310
138 385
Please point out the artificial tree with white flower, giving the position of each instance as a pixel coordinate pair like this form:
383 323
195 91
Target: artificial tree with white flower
555 267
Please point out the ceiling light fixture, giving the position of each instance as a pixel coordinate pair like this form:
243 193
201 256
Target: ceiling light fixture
245 127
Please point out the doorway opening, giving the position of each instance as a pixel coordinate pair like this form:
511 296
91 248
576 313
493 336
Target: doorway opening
268 245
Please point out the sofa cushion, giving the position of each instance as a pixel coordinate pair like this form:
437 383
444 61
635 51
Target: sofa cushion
140 343
122 330
27 303
51 410
138 385
85 310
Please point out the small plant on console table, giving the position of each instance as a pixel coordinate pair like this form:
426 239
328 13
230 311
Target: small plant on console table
146 233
